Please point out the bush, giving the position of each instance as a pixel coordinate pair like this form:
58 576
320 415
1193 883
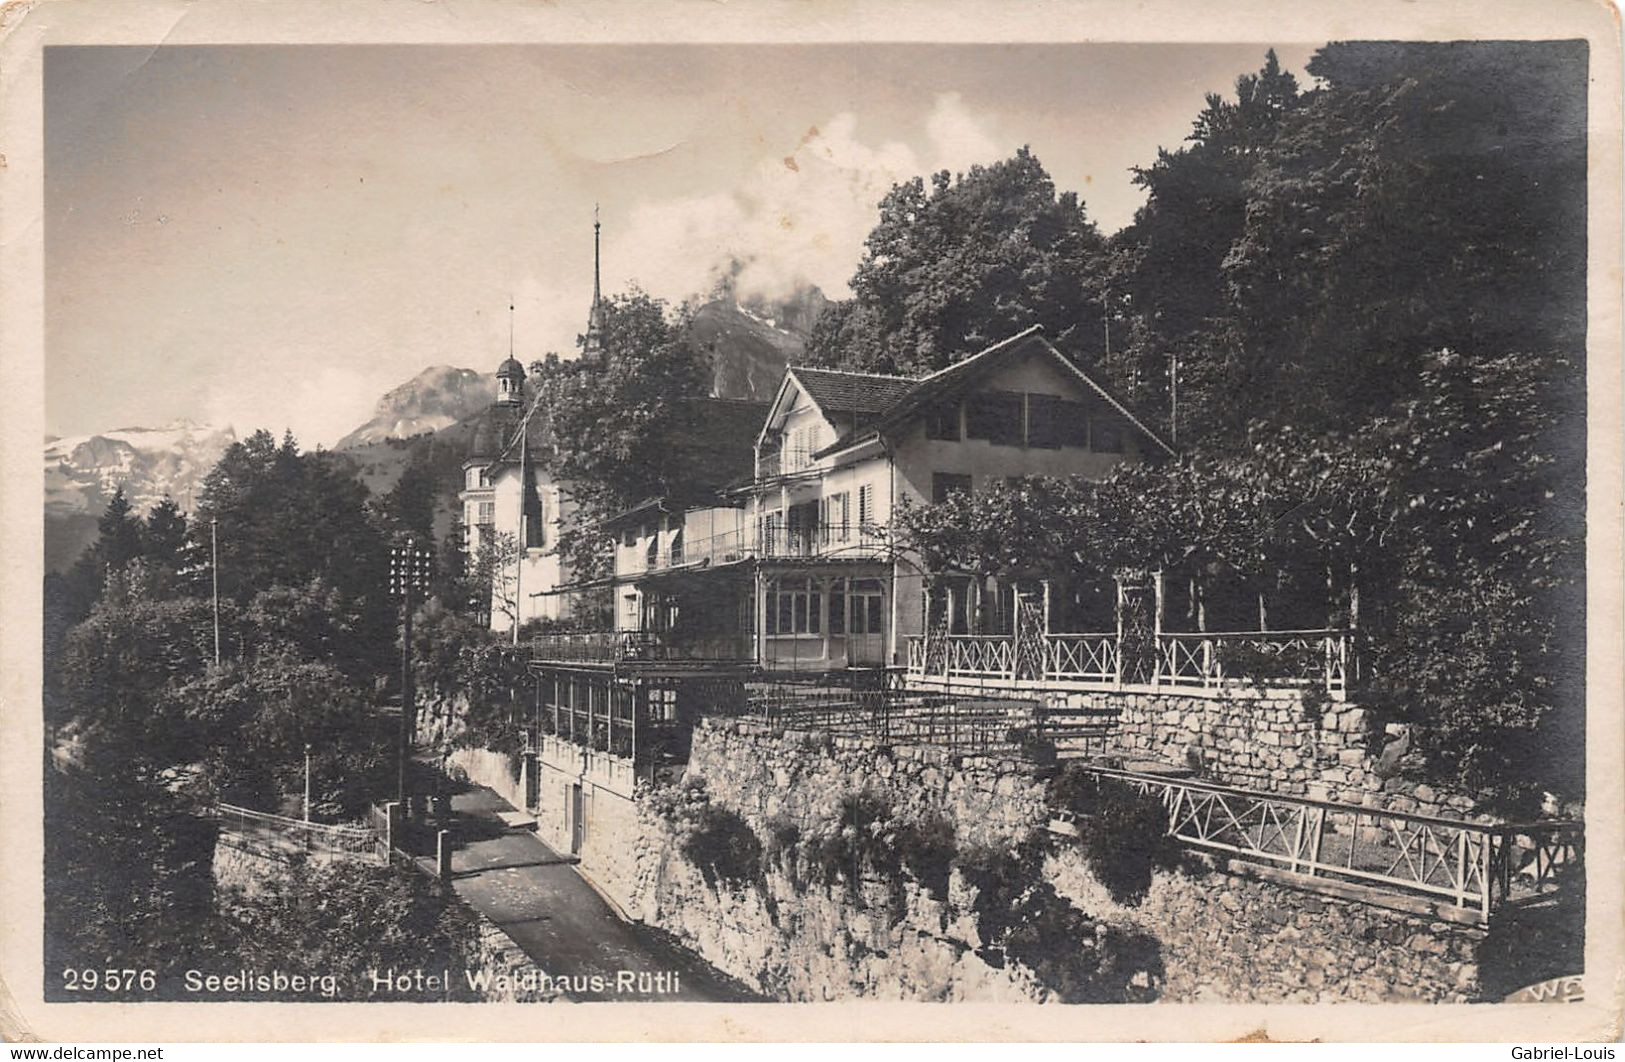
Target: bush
454 658
1122 832
869 836
346 919
724 847
779 847
1022 919
717 840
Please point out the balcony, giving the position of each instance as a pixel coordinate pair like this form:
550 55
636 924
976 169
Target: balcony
617 647
782 462
818 540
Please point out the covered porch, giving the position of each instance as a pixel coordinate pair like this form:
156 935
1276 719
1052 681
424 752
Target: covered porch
1122 633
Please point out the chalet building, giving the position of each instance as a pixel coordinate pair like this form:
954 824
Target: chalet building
796 567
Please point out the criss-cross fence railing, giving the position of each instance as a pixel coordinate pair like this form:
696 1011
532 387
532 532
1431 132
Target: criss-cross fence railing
1186 660
1086 657
1277 658
280 837
986 656
1477 867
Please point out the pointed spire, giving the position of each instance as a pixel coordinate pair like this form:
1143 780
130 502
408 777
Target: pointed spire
510 324
592 352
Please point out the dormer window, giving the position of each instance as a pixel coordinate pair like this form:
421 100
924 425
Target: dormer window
995 416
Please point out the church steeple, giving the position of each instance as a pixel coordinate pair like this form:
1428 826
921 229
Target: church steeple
592 344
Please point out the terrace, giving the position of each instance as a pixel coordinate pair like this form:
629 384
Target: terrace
1202 661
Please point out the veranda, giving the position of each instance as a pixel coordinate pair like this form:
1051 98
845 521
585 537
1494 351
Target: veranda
985 634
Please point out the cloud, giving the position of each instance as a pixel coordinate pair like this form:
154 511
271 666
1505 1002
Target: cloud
796 218
319 407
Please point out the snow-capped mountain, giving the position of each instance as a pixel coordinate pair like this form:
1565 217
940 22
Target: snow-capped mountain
749 341
435 398
83 471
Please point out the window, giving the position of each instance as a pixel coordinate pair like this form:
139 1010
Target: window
1044 422
1072 424
794 606
535 515
768 535
487 513
943 423
837 516
867 614
1107 438
866 506
944 484
995 416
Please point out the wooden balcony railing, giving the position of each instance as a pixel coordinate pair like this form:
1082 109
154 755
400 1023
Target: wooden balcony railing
610 647
819 540
1475 868
1205 660
1273 658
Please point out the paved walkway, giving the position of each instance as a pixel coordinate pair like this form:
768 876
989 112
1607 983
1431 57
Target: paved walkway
560 921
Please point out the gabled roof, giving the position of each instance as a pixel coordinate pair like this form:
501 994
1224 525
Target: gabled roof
923 393
860 393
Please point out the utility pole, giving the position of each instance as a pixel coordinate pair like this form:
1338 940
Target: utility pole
214 576
1106 319
408 571
519 556
307 781
1173 398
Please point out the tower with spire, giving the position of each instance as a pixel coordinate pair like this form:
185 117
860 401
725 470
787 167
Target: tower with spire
592 343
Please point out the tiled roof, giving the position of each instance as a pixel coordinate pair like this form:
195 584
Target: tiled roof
862 393
918 395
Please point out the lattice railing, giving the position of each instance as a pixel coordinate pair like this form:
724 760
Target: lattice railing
1195 660
1083 657
981 656
1469 865
1267 658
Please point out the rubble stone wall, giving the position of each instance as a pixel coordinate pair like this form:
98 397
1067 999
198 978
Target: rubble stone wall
1216 935
1279 741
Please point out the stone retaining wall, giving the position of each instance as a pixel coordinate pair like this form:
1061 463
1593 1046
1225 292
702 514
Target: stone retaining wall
1280 741
1215 935
1229 938
804 775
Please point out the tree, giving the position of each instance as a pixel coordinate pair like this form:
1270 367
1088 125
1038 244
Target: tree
129 862
409 505
955 267
492 577
118 539
163 535
286 517
1165 283
608 431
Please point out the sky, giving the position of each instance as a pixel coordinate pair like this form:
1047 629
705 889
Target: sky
273 236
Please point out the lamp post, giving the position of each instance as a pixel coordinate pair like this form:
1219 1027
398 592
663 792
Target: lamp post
307 781
408 572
